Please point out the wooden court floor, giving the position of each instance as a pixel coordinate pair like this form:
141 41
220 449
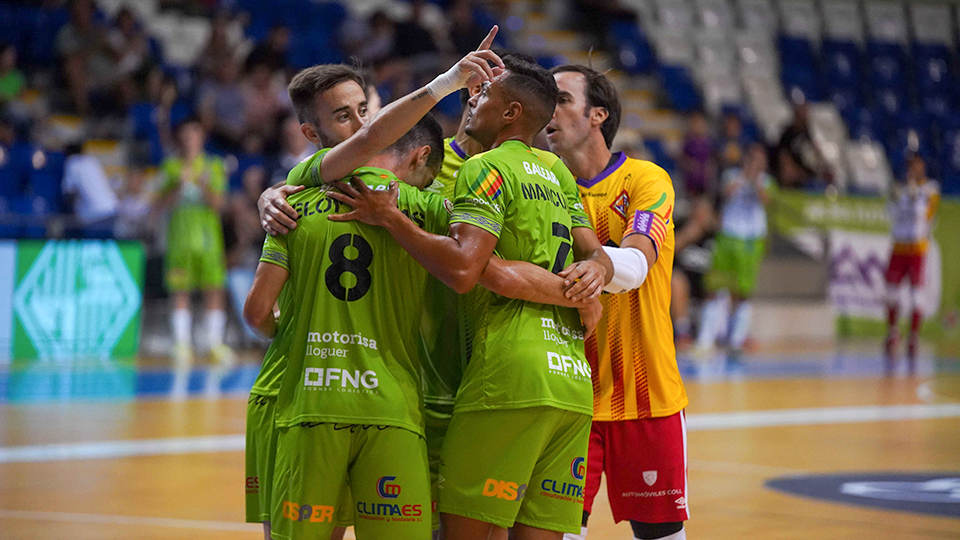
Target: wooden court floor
159 469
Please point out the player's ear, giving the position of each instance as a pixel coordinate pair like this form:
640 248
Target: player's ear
598 115
512 112
422 154
310 133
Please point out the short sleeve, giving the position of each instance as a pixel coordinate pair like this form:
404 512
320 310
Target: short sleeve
651 206
307 173
479 196
578 216
275 251
169 175
218 177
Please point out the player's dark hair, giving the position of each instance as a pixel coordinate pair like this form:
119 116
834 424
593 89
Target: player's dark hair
600 93
427 132
465 93
533 86
313 81
189 119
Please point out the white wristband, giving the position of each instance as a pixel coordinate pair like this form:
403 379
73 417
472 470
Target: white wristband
445 83
629 269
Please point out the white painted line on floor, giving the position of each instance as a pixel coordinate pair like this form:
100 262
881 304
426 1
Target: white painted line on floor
695 422
130 520
138 521
820 416
122 449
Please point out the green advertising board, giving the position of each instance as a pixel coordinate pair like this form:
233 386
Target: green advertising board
857 249
74 318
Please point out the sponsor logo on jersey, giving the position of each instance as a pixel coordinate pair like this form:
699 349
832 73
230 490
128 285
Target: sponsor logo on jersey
328 377
307 512
578 468
509 491
621 204
650 477
546 174
681 503
341 339
387 490
389 512
568 367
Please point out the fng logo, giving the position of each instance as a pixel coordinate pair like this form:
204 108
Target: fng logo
578 468
509 491
314 377
565 364
388 491
305 512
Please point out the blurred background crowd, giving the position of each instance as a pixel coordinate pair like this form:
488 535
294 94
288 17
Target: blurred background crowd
838 94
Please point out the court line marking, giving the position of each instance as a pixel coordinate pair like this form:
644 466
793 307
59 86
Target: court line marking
138 521
695 422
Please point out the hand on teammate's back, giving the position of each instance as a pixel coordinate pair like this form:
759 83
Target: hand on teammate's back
584 280
369 206
276 215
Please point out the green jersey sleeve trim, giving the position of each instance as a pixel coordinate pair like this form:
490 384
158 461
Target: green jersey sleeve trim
484 223
275 257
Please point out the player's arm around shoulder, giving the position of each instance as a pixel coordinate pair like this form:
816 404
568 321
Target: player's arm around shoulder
272 273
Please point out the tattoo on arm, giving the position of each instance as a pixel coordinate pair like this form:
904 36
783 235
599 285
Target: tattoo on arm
420 95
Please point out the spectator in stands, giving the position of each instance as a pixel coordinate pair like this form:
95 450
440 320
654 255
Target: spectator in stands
272 52
913 205
294 148
799 161
464 30
193 185
412 38
243 240
264 100
219 49
83 48
733 142
698 161
738 251
133 217
695 230
12 81
222 107
89 194
130 45
373 42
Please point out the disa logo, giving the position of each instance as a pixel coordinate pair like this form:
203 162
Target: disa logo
578 469
306 512
509 491
386 490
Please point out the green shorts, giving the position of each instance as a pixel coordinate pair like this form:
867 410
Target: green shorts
192 269
437 418
736 263
261 455
383 467
516 465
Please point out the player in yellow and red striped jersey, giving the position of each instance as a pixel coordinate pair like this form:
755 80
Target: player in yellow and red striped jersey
638 437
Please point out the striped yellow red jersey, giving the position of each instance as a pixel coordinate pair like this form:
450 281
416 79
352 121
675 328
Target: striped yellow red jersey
632 354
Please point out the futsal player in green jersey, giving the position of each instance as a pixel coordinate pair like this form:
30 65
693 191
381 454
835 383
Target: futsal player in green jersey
193 183
522 414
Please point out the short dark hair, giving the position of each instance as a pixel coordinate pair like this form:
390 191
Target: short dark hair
313 81
426 132
600 93
186 121
533 86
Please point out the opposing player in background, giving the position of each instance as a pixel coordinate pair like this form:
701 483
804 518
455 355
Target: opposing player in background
525 378
738 251
913 207
638 436
193 184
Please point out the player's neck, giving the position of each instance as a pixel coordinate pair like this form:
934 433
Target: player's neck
589 159
466 143
384 160
511 133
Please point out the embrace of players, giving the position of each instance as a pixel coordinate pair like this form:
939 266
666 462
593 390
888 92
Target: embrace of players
442 357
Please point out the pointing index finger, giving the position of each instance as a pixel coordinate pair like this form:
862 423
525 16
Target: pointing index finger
488 41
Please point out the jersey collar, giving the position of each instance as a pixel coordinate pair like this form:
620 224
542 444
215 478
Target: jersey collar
620 158
457 150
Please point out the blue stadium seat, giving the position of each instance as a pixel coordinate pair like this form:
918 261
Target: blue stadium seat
680 88
46 181
632 47
799 67
244 162
660 155
43 25
842 64
33 211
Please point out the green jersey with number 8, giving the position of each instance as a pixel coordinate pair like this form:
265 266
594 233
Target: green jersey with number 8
520 354
357 297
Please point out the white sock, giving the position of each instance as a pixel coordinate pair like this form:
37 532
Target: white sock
740 324
581 536
216 325
180 321
710 323
679 535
